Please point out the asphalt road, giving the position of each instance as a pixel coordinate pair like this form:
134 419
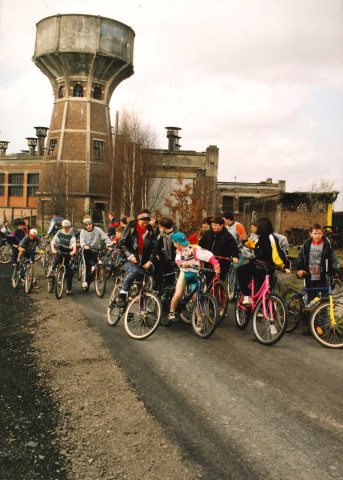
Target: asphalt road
241 410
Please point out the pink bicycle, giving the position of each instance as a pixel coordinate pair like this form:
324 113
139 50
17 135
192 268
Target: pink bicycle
269 311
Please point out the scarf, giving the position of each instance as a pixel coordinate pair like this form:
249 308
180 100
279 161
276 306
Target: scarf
141 231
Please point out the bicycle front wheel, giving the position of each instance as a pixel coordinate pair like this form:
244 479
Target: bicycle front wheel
142 316
51 284
59 281
326 330
270 328
16 276
5 254
220 294
100 280
114 312
28 278
242 312
295 307
232 284
205 315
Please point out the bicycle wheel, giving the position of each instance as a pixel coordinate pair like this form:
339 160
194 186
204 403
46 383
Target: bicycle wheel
142 316
295 307
220 294
51 284
205 325
114 313
5 253
59 281
329 332
28 278
186 313
270 329
16 276
232 284
242 312
100 280
166 294
83 276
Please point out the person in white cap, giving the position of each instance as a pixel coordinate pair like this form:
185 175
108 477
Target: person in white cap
63 245
28 246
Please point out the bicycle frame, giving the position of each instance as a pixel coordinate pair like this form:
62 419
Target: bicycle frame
255 298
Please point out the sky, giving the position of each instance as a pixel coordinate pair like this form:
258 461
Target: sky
261 79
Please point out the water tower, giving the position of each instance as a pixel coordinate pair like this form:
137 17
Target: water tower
85 57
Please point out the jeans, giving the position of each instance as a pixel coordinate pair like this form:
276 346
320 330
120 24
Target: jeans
132 272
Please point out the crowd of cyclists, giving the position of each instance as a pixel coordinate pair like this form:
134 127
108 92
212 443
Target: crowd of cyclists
133 247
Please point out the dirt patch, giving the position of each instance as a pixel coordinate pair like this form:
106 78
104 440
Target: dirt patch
102 430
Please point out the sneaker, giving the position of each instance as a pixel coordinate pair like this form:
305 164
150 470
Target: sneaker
68 292
35 284
84 285
246 300
272 329
172 317
121 301
199 325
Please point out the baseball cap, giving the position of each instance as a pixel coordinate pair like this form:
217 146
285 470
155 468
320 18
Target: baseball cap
87 220
180 238
65 223
33 231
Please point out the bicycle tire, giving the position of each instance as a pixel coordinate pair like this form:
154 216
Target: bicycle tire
59 281
28 278
324 331
165 295
209 312
262 326
231 284
16 276
220 294
295 307
242 315
5 254
100 280
114 313
142 315
186 313
51 284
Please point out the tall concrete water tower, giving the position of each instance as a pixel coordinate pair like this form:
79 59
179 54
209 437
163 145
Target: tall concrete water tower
85 57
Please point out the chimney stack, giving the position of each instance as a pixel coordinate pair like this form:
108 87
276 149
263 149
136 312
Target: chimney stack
41 133
32 143
3 148
173 138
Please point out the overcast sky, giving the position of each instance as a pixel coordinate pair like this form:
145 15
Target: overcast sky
261 79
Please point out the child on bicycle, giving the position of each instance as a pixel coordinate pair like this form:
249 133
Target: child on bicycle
187 257
27 247
63 245
267 250
317 257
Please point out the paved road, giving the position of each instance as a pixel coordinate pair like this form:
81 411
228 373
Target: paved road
241 410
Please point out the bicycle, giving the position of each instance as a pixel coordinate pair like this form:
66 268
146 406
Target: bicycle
5 252
97 274
142 313
23 271
270 313
326 310
205 310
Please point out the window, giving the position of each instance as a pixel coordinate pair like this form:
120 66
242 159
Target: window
2 177
15 191
33 178
61 92
78 91
241 202
2 190
52 146
98 149
227 204
32 191
97 93
16 178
